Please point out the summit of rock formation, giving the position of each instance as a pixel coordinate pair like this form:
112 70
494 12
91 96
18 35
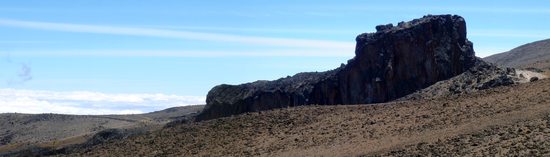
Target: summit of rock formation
393 62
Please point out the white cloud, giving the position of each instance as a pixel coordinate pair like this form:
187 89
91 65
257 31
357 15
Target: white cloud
267 41
262 30
193 53
85 102
349 9
516 10
539 34
27 42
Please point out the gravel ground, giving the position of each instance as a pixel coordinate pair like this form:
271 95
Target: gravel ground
511 120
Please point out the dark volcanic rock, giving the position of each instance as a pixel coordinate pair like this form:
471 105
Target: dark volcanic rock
388 64
482 76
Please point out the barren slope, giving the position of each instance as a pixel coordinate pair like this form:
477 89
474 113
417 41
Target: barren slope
503 120
18 130
534 55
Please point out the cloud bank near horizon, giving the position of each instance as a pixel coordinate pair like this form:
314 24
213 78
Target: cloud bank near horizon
88 103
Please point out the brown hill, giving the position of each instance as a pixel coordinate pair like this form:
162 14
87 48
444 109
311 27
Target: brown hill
18 131
532 55
510 120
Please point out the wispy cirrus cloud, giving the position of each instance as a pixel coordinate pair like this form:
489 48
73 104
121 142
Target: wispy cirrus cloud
262 30
89 103
164 33
508 10
324 10
28 42
193 53
508 33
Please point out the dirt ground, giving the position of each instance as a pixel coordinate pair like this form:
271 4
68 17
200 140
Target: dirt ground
501 121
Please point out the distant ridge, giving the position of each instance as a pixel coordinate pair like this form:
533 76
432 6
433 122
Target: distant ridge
24 131
531 55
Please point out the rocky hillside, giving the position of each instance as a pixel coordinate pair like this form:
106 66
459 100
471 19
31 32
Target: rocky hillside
26 130
390 63
502 121
480 77
532 55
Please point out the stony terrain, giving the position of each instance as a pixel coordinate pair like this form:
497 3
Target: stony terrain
482 76
507 120
25 130
532 55
393 62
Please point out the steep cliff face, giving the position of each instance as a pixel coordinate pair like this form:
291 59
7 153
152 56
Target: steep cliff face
390 63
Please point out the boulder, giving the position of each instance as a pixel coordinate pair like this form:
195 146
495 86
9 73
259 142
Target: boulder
393 62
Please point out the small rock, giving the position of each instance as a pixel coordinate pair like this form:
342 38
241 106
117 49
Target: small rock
384 27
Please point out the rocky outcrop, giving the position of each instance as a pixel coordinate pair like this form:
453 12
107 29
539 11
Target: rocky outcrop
393 62
482 76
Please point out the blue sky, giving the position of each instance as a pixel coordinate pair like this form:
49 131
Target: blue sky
184 48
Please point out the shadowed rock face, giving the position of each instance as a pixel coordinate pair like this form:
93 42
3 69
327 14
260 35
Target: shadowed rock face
388 64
